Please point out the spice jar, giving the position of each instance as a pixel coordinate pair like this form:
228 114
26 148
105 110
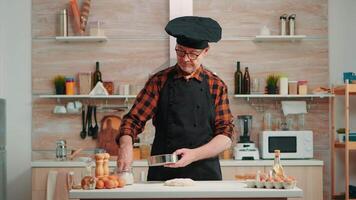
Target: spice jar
70 86
303 87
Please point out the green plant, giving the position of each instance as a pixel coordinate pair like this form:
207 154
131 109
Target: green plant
272 80
340 130
59 80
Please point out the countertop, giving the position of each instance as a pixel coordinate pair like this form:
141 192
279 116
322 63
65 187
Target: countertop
202 189
143 163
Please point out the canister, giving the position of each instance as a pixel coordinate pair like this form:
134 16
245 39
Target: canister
302 87
70 86
293 87
283 23
283 85
291 22
63 23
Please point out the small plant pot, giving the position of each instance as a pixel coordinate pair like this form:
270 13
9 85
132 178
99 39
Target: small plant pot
341 137
272 89
60 89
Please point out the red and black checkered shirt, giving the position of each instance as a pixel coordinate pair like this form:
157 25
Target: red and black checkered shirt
145 106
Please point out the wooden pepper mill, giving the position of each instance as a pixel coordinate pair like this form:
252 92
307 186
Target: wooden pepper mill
99 161
106 164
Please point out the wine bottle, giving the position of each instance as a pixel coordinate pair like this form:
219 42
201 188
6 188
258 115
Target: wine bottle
277 170
238 79
246 82
97 75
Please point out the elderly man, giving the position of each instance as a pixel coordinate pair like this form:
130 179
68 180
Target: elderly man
189 106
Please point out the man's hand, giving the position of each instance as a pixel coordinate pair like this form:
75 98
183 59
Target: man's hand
187 156
124 158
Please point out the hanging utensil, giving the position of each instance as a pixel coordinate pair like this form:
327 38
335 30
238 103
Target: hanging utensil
89 113
83 133
95 129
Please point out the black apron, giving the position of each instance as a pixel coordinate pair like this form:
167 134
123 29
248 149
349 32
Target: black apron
184 119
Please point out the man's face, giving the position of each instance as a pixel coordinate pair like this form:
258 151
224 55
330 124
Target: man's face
190 59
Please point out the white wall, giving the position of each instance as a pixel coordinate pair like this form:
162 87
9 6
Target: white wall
15 49
342 58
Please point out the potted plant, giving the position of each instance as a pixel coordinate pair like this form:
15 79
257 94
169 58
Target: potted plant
59 83
341 134
271 84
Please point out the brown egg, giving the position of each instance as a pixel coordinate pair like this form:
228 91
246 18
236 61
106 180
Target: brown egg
100 184
116 183
109 184
121 182
112 177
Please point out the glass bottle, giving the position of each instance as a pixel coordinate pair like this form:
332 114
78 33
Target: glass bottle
246 82
238 79
97 75
277 169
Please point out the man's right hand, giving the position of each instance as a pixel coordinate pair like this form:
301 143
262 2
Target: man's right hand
124 158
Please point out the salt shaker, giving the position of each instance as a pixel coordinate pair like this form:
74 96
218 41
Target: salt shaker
291 20
283 23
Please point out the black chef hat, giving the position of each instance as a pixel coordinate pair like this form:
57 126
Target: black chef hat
194 32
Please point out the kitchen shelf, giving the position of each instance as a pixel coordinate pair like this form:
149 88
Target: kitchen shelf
340 90
346 91
85 97
80 96
282 96
81 38
352 145
271 38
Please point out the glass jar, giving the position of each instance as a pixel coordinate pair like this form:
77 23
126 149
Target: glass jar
293 87
303 87
127 176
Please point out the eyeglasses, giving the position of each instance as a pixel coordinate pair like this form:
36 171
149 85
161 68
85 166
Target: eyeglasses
191 56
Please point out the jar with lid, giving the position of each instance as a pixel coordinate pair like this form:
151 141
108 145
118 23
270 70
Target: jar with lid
70 86
302 87
61 150
127 176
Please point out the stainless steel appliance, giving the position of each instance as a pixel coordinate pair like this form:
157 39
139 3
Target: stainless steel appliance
2 150
245 149
292 144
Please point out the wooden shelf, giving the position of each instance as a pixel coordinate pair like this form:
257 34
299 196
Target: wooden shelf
50 96
82 39
340 90
276 38
282 96
352 145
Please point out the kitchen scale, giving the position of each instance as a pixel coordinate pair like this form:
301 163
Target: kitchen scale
245 149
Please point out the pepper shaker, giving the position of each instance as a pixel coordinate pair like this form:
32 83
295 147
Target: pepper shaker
63 23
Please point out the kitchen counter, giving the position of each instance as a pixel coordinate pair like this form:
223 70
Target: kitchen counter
143 163
202 190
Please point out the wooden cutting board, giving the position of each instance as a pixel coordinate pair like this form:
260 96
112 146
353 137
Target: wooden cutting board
109 129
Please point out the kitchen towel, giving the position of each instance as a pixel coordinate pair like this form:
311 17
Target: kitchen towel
51 184
61 190
294 107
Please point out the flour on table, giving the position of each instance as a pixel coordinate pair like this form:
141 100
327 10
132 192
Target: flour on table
179 182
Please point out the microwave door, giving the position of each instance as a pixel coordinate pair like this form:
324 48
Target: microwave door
286 144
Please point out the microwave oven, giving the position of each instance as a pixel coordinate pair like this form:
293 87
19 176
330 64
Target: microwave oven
292 144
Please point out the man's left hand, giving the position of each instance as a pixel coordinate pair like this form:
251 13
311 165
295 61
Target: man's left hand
187 156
